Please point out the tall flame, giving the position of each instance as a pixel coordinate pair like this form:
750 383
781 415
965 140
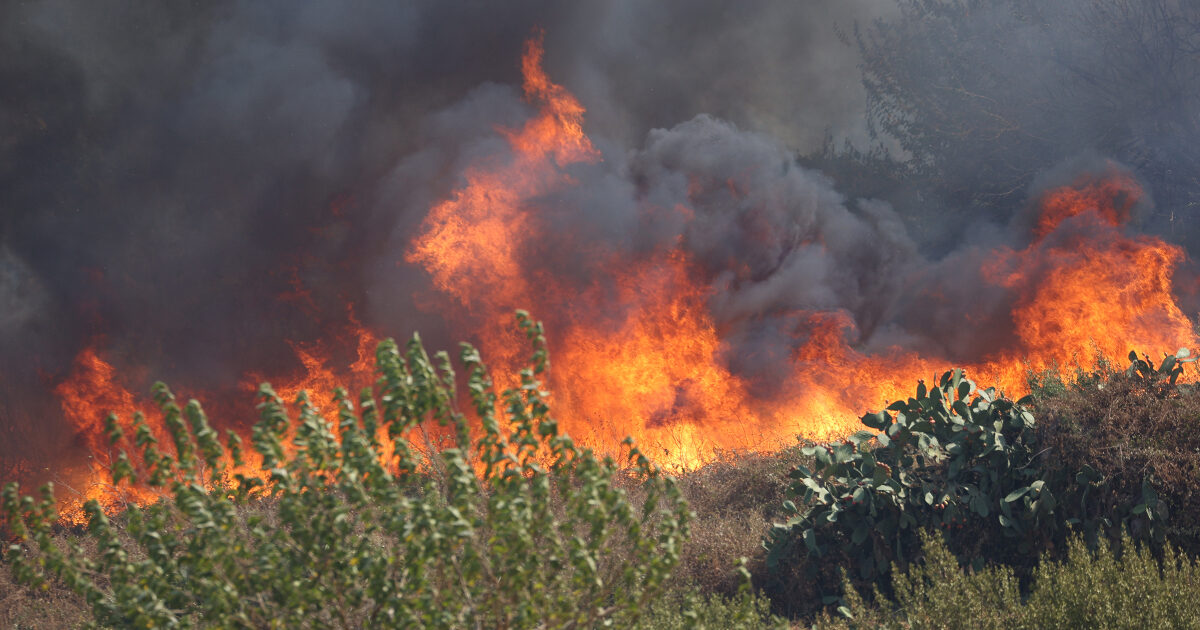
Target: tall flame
646 360
651 366
641 354
472 240
90 392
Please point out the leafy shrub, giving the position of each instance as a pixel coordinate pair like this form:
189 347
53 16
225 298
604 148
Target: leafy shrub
1101 589
1053 382
520 528
935 461
1116 454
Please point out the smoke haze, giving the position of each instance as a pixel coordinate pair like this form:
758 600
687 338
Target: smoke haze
197 184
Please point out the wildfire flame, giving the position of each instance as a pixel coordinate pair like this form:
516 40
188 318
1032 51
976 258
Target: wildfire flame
318 379
92 390
1111 197
651 366
641 355
89 394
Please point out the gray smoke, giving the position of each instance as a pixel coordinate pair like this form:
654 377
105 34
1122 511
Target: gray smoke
168 171
177 179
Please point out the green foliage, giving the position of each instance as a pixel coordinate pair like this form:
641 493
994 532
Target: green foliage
935 460
519 528
1053 382
692 610
1100 589
1107 590
1115 454
1167 372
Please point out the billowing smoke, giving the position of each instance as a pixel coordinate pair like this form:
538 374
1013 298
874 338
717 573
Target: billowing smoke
194 186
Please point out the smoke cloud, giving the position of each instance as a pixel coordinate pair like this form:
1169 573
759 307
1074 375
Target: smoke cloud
197 184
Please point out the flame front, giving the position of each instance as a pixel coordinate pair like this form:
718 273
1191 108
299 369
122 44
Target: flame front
638 350
1092 291
650 366
93 390
318 377
648 361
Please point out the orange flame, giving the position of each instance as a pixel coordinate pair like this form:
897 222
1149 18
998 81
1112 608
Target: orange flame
89 394
472 240
1112 197
646 361
317 378
92 390
644 357
650 368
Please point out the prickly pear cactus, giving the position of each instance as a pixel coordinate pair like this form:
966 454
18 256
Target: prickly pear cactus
951 456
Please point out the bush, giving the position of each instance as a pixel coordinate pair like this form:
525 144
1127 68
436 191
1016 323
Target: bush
1116 454
943 460
1101 589
518 529
1129 441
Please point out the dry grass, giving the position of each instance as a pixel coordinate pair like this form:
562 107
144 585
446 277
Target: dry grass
54 609
1129 431
735 498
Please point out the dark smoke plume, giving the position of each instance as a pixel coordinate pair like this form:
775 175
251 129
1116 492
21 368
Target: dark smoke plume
195 184
169 170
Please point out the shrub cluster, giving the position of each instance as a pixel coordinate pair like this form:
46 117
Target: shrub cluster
406 514
1090 589
952 458
1113 456
519 528
1129 441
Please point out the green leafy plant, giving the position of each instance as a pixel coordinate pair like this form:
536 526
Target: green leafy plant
1001 487
1088 589
517 527
951 454
1167 372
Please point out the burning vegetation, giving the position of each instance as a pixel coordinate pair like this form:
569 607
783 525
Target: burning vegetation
266 200
734 310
